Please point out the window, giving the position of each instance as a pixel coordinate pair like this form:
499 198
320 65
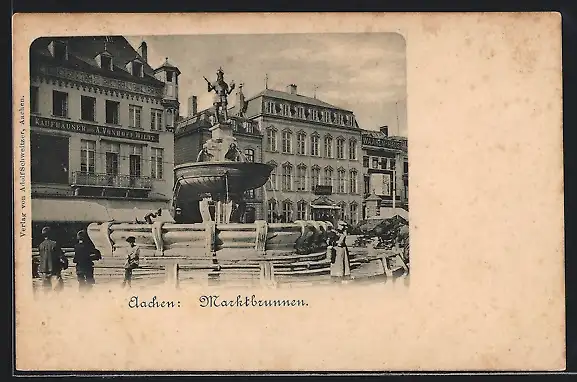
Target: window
87 108
342 209
169 76
111 158
367 185
87 154
34 99
354 214
315 145
59 104
271 140
112 108
59 50
406 168
301 178
287 177
300 112
328 176
271 212
249 155
286 110
169 118
301 143
135 160
272 183
134 116
353 182
269 107
341 181
49 158
137 69
328 146
353 150
156 164
287 211
366 162
375 163
249 194
287 137
302 210
340 148
315 115
106 62
155 120
383 163
315 177
392 164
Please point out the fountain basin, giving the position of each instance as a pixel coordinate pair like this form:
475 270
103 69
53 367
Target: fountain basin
233 242
194 179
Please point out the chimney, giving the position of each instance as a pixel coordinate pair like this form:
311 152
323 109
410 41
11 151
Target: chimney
291 89
192 105
143 51
385 130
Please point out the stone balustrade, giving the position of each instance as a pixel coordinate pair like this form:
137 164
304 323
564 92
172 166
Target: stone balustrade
229 242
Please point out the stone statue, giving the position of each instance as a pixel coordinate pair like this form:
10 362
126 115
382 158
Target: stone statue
233 154
242 104
204 155
222 91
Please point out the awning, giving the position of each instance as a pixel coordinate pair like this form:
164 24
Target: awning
95 210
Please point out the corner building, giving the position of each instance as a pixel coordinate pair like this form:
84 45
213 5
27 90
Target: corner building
315 148
385 174
102 121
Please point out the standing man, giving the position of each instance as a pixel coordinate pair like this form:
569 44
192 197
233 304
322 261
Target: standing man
52 261
84 255
132 260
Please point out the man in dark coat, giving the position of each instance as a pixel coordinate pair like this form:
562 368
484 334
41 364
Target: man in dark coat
51 262
84 255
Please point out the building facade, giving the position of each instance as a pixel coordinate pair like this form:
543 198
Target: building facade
102 121
315 148
193 131
385 174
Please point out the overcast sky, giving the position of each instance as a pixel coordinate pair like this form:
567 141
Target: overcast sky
362 72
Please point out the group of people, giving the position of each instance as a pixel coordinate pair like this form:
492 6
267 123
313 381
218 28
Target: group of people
53 261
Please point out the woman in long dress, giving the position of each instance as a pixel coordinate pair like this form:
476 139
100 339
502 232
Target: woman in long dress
340 264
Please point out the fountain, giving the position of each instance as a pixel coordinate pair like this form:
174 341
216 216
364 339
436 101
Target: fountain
207 208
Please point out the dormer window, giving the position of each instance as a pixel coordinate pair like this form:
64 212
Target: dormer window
137 68
105 62
59 50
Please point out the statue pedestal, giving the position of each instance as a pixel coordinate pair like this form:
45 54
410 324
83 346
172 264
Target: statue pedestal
222 138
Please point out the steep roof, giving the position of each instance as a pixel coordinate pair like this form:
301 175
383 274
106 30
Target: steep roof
295 98
82 51
167 64
381 135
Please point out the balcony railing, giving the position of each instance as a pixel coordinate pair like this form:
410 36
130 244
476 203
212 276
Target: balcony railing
85 179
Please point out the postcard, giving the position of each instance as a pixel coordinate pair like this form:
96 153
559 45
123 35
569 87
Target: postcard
236 192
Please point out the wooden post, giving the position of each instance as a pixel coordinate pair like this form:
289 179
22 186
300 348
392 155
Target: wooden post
157 237
267 274
173 274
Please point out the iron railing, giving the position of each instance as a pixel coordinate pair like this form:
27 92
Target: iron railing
86 179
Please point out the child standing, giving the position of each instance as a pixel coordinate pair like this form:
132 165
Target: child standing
132 260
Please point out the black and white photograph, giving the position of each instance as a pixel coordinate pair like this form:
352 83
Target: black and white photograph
280 193
198 159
